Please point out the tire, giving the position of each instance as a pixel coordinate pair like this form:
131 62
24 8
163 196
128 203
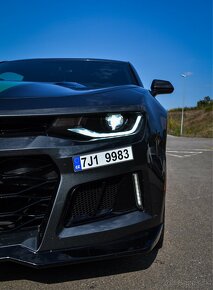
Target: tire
161 240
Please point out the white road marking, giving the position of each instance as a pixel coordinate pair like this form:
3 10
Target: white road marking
196 149
175 155
183 153
180 151
207 150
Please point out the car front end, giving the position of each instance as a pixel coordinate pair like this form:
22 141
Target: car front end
80 180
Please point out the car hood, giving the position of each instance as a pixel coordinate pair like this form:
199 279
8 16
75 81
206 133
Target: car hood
24 98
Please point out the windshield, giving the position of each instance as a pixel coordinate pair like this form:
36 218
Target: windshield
87 73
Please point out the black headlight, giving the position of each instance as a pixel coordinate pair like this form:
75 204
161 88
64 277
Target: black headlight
98 126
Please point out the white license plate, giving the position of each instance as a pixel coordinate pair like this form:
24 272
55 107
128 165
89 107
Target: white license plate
102 158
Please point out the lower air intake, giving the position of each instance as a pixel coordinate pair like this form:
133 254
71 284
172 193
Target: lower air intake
27 188
101 199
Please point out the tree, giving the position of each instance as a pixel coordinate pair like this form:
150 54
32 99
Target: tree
206 101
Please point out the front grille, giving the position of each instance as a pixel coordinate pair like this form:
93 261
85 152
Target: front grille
99 199
25 126
27 189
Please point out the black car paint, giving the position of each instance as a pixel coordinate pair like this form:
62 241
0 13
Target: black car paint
59 244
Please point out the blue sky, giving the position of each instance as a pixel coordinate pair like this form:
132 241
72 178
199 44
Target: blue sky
161 38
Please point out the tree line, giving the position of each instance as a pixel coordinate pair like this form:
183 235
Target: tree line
206 101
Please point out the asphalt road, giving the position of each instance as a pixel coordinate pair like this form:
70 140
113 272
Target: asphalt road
185 262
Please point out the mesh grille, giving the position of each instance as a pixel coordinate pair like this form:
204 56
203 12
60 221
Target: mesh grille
109 196
99 199
27 187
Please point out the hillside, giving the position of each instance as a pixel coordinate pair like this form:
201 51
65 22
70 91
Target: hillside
198 122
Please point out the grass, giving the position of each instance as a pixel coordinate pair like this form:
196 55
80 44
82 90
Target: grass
198 122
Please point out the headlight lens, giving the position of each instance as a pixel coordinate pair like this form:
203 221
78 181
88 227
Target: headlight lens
114 121
98 126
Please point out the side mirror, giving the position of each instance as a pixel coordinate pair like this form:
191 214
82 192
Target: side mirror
161 87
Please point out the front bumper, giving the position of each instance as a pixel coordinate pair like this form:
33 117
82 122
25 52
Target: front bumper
142 242
136 231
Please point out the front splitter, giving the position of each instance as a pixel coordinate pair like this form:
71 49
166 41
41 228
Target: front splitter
143 242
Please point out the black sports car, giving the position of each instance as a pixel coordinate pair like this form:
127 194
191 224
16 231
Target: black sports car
82 161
